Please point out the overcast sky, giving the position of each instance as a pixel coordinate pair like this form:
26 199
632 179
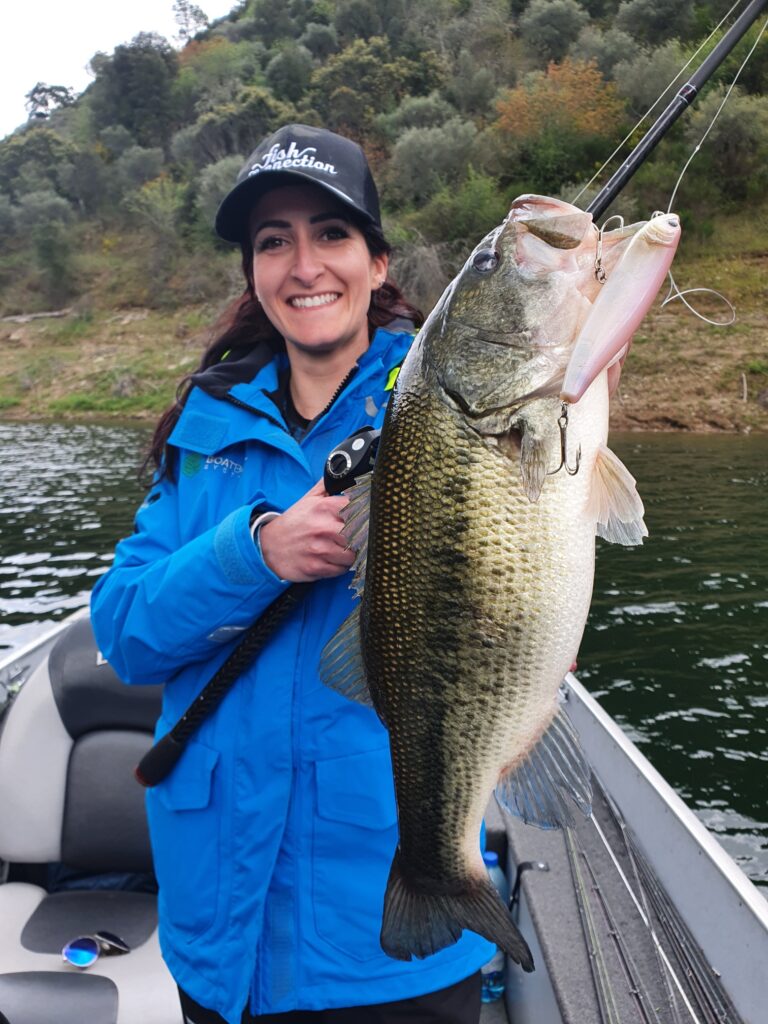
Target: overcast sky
51 41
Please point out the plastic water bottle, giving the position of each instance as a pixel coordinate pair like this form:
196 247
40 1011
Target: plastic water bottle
493 971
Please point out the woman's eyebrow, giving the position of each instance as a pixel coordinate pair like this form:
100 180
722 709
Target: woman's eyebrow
270 224
318 218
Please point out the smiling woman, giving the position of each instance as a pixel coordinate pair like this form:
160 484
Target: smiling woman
285 793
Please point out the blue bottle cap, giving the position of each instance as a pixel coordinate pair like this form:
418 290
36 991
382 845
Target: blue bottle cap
491 858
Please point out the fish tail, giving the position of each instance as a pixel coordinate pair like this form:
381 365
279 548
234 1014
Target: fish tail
418 923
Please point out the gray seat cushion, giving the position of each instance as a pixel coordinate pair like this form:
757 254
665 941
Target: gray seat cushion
66 915
41 997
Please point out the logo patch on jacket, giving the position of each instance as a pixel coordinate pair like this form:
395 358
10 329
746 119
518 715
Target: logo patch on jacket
191 464
223 464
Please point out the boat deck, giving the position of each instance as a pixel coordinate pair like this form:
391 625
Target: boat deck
586 897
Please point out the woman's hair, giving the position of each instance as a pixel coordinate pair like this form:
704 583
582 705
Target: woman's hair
244 324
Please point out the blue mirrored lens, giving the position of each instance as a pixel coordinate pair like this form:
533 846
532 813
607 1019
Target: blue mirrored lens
81 952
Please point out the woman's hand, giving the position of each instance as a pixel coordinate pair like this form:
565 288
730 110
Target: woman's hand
305 543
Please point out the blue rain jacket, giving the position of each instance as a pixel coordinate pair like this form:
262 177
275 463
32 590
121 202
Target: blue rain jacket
274 834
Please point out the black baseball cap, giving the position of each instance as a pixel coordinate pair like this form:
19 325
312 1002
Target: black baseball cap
297 152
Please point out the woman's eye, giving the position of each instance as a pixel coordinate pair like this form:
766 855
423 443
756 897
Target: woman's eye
485 261
268 242
334 233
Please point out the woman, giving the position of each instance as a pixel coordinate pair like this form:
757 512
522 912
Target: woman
274 834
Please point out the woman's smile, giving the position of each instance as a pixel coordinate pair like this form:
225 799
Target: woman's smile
313 301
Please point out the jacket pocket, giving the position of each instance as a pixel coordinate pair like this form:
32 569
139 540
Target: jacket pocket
184 816
355 837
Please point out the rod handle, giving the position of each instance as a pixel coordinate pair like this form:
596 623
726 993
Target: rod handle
158 762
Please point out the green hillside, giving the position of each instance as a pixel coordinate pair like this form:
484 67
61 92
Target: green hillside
107 198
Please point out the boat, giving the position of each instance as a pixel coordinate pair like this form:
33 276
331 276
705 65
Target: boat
634 916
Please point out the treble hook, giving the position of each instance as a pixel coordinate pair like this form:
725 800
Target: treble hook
562 423
599 270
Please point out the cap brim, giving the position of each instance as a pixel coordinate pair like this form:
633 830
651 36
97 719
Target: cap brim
232 217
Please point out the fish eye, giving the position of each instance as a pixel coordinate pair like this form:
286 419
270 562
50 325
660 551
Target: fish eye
485 261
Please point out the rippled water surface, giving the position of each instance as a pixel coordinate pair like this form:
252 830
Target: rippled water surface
676 646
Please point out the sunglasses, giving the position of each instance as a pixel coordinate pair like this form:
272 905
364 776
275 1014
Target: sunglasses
85 950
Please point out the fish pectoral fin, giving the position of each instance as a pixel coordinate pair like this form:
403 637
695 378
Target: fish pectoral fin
614 502
533 464
341 663
356 515
540 789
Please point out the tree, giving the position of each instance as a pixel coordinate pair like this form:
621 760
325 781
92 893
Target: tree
190 19
138 165
40 209
415 112
36 154
641 78
289 72
116 139
425 159
42 99
462 214
157 207
231 128
320 40
550 26
472 88
214 183
272 21
134 88
357 19
87 180
379 80
735 153
212 72
557 123
607 48
654 21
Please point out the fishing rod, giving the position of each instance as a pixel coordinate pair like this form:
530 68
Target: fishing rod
683 99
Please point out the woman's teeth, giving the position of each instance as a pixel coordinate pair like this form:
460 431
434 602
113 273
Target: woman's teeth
307 301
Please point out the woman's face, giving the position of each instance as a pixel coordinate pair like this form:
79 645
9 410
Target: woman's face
312 270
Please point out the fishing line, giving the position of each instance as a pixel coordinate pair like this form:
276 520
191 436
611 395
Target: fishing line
656 102
674 292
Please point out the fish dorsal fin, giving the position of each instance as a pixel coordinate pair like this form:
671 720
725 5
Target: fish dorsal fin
614 501
356 515
341 663
539 789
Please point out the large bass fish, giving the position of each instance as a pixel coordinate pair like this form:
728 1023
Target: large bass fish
476 541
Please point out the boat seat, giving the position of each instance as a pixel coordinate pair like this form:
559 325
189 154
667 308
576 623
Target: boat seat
74 835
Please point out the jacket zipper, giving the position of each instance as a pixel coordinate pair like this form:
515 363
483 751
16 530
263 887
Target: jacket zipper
258 412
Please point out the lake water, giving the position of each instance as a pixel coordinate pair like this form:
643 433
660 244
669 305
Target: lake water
676 647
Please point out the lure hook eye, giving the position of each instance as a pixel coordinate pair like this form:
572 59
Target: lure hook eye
485 261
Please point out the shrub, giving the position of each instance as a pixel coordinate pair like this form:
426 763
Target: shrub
425 159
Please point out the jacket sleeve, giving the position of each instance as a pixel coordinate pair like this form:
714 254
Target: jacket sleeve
169 600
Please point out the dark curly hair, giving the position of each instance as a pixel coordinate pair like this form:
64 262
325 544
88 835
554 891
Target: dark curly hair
244 324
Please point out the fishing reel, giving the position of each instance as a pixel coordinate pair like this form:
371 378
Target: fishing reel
351 459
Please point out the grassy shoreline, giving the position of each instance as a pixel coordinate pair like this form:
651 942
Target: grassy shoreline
107 364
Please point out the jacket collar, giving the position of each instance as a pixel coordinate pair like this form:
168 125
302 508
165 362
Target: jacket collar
226 407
